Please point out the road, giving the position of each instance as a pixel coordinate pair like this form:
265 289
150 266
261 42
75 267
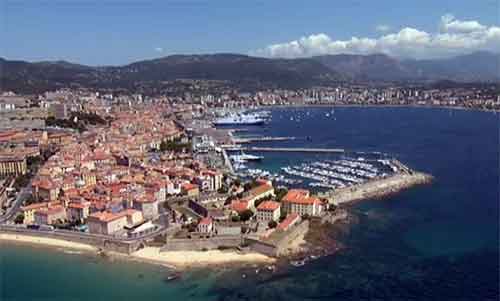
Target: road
18 202
77 235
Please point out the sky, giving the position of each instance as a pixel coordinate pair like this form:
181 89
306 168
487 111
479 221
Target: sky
117 32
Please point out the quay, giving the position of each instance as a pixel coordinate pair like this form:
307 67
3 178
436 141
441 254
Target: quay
294 149
261 139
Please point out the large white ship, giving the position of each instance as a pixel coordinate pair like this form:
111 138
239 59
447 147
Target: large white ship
240 119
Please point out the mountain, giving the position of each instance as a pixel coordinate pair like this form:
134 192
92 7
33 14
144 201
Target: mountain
246 72
366 67
33 77
474 67
240 70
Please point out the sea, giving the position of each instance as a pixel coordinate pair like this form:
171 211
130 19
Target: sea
433 242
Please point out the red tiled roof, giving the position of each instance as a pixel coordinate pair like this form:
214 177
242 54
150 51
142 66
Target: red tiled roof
189 186
240 206
300 196
260 190
38 205
50 210
106 216
205 221
78 205
268 206
291 218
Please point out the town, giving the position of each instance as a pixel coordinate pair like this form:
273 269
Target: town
122 172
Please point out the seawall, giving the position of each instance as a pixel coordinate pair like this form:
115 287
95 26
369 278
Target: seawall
377 188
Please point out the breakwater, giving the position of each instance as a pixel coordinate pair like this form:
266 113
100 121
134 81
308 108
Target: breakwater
377 188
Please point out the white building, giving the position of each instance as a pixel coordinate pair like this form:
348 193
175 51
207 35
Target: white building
268 211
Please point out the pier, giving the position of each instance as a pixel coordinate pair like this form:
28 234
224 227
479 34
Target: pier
261 139
377 188
294 149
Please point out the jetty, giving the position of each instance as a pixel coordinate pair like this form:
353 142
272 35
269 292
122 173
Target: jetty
294 149
260 139
377 188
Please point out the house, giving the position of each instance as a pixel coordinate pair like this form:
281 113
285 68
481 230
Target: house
173 188
13 165
147 204
190 189
205 225
289 221
45 190
106 223
240 206
77 211
50 214
29 211
214 179
268 211
134 217
299 201
260 192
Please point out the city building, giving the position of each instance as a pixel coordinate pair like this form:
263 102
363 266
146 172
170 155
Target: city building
289 221
50 214
299 201
268 211
78 211
13 165
205 225
29 211
106 223
190 189
148 205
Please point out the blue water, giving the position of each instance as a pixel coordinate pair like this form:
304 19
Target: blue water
437 242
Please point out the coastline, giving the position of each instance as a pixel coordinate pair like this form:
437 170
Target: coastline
460 108
45 241
151 255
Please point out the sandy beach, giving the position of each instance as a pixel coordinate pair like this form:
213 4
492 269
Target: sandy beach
176 259
184 259
45 241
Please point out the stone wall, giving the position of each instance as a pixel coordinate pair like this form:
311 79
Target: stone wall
198 244
278 247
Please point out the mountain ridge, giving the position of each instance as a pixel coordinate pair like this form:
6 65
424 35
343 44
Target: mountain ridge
251 72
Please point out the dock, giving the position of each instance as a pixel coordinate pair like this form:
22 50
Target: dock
294 149
260 139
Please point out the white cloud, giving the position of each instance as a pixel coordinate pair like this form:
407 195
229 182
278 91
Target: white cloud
382 28
450 24
454 37
159 49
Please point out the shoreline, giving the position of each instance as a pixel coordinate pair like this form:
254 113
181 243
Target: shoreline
178 260
460 108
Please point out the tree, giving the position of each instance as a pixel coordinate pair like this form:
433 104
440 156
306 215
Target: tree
280 193
246 215
272 224
19 218
283 215
222 190
163 146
